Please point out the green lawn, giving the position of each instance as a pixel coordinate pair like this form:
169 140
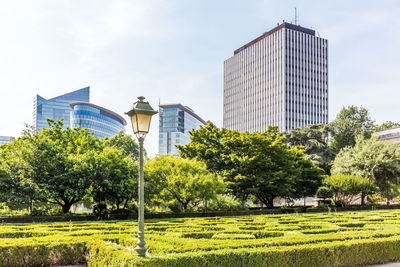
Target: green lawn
319 239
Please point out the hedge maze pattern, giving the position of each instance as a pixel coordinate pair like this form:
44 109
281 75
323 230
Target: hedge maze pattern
320 239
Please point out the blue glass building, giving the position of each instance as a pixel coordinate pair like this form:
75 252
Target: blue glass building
57 107
102 122
5 139
176 121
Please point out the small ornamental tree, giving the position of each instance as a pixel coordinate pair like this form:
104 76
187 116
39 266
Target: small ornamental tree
377 160
182 184
346 187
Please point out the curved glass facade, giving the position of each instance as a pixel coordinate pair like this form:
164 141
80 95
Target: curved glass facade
102 122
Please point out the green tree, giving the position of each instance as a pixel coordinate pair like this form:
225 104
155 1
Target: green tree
386 125
62 163
125 142
17 189
182 183
315 141
377 160
349 123
114 178
346 187
252 164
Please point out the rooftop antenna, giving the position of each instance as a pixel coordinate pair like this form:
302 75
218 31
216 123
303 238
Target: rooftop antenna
295 16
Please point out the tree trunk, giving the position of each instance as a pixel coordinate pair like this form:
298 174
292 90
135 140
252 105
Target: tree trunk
305 201
362 199
268 201
387 201
66 207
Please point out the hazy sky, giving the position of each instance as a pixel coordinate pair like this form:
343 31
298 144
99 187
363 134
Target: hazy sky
173 51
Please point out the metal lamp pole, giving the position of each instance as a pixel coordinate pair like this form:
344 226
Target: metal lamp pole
140 115
141 248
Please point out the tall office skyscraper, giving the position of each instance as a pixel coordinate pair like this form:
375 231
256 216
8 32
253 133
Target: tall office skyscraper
176 121
278 79
57 107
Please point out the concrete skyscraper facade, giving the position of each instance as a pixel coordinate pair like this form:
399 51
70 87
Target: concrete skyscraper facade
278 79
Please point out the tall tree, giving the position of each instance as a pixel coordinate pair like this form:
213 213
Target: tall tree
377 160
349 123
115 178
315 141
258 164
62 163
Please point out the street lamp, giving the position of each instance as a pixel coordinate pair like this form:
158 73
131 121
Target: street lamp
140 115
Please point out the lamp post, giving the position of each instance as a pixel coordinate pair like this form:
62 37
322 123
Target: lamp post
140 115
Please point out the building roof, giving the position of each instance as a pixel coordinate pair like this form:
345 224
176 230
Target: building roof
277 28
77 95
103 111
184 108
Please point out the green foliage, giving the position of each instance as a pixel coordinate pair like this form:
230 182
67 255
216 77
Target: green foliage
59 167
377 160
315 141
322 239
257 164
349 123
226 202
61 163
182 183
17 188
346 187
125 142
324 192
113 175
386 125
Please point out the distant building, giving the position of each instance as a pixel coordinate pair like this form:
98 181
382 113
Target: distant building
391 135
176 121
5 140
57 107
101 121
278 79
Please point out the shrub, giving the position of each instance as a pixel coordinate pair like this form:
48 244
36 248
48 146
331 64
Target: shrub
226 202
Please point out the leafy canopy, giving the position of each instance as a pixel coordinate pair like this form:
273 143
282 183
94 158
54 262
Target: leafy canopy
253 164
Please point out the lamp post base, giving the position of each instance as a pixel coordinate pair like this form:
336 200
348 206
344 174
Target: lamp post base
141 248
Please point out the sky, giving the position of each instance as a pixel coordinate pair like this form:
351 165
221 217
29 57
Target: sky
173 52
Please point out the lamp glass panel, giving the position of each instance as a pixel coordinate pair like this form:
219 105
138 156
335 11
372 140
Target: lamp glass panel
134 123
143 123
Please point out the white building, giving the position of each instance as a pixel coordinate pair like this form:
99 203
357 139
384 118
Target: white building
391 135
278 79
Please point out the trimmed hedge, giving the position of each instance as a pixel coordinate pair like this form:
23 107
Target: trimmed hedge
329 239
351 253
164 215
